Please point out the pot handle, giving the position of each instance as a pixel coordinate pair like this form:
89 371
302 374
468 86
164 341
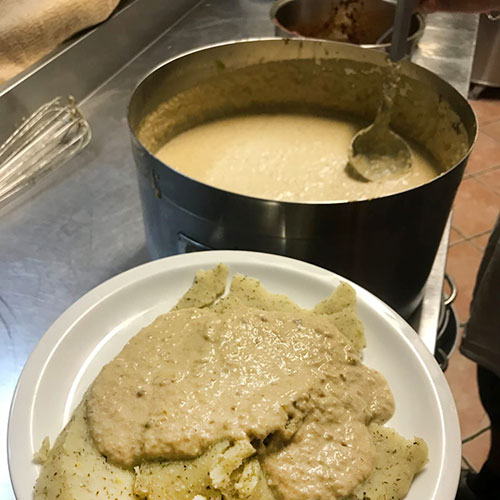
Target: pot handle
185 244
453 290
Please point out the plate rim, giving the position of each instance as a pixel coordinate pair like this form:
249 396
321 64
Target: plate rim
41 354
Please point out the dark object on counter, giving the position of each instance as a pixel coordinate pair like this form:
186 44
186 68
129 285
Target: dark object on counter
386 244
359 22
486 66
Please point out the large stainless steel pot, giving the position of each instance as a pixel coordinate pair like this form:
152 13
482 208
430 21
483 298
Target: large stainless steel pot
360 22
387 244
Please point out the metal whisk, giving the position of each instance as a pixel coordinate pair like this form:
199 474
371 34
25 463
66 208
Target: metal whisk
43 142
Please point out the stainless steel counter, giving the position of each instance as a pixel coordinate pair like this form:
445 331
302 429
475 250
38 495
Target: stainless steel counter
447 48
83 225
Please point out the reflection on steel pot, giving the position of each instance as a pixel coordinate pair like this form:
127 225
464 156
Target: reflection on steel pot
386 244
360 22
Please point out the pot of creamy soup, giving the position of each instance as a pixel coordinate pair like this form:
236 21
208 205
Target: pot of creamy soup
244 145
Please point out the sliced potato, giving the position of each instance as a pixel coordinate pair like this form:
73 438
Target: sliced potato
207 287
223 471
74 469
249 292
180 479
397 461
340 309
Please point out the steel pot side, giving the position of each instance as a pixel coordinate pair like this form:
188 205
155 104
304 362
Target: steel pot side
386 244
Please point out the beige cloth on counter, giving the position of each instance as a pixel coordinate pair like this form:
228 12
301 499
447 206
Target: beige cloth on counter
30 29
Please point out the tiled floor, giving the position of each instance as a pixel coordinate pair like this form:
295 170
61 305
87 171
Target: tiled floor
476 208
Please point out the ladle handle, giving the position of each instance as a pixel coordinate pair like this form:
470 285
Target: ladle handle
402 21
383 117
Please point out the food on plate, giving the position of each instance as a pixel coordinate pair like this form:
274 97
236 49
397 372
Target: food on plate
237 396
286 157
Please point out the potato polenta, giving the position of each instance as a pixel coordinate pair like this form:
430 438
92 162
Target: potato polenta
245 396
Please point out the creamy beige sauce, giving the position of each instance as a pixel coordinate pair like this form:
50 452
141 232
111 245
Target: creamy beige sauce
283 157
289 382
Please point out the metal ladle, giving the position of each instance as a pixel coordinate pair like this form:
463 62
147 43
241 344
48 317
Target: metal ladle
377 151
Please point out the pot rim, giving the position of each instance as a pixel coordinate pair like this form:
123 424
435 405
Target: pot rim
299 41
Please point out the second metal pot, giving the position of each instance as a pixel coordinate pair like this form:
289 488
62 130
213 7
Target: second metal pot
359 22
386 244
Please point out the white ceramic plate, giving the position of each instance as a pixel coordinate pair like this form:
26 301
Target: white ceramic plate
94 329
